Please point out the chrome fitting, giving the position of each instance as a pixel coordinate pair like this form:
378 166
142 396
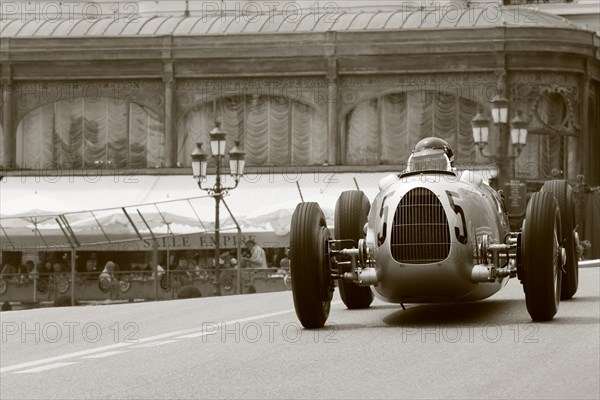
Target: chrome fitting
482 273
363 253
367 277
362 277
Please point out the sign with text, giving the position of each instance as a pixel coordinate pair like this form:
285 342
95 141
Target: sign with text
515 193
199 241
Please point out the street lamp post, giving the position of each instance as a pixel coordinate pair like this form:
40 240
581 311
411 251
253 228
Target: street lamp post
517 136
500 118
218 144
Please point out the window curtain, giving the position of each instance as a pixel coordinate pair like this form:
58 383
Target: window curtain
36 139
363 134
1 141
384 130
272 130
81 133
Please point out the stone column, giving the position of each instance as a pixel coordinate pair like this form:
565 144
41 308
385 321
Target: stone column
332 98
8 130
170 131
502 158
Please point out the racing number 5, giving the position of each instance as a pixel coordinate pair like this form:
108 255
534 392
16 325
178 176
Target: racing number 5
458 210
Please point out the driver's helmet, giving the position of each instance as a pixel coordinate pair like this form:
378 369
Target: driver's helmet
431 154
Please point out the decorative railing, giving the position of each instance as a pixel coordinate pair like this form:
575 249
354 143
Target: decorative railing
133 285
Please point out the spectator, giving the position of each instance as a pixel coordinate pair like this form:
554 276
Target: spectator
57 272
258 257
90 271
229 261
45 269
22 273
108 272
284 264
91 265
30 270
160 271
136 273
245 255
118 272
197 269
176 262
183 267
58 268
221 263
9 273
192 265
147 271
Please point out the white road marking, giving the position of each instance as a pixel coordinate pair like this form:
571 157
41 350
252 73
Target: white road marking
125 344
196 335
45 368
219 324
63 357
152 344
106 354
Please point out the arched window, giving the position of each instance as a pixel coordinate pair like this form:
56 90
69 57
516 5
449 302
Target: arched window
272 130
384 130
82 133
551 150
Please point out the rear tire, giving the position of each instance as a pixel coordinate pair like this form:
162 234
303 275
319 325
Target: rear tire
564 197
312 286
542 260
351 212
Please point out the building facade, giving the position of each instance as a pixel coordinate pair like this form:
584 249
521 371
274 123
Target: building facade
354 86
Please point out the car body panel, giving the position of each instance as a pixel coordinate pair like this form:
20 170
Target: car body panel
472 209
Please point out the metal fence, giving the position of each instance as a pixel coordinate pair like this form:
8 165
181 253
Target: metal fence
147 251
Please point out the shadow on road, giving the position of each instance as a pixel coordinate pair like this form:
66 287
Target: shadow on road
491 311
499 312
583 299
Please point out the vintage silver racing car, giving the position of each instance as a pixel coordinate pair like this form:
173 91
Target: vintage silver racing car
432 236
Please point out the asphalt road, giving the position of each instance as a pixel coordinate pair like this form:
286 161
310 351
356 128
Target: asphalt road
252 346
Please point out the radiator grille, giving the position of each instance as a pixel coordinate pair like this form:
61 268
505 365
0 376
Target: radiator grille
420 234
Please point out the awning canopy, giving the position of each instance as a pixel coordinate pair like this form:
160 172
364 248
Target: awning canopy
255 195
408 16
79 210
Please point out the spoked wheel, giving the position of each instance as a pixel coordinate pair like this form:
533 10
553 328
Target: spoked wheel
564 197
312 286
351 211
542 256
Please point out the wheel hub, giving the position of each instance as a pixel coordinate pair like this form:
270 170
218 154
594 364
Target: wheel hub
326 286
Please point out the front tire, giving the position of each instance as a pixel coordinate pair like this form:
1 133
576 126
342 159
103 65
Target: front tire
312 286
564 197
542 259
351 212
